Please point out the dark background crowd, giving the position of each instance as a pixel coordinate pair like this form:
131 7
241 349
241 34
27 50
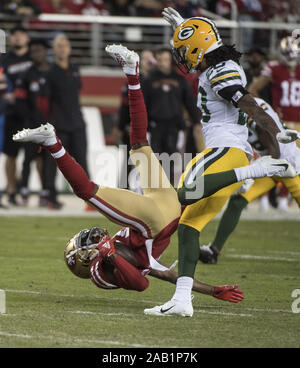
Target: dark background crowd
265 10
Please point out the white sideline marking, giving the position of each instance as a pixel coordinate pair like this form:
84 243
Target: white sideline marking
15 335
151 302
105 342
250 256
291 253
223 313
102 314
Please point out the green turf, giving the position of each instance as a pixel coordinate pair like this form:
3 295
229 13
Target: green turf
49 307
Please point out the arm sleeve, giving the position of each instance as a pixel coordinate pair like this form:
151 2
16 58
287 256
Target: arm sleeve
190 102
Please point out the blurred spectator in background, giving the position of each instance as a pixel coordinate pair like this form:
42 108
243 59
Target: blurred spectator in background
186 8
248 10
94 7
65 111
26 8
149 8
282 76
121 7
6 97
166 93
15 62
54 6
121 132
256 60
32 101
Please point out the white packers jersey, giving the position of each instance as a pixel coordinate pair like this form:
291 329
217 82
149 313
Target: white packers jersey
288 151
224 125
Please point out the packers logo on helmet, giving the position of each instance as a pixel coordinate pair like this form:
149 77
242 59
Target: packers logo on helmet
193 39
185 33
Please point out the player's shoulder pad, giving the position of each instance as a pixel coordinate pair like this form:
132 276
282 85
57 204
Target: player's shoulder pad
223 72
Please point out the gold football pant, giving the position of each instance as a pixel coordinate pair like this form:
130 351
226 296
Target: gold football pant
149 213
263 185
210 161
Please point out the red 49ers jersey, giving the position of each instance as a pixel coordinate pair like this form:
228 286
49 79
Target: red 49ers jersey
146 251
285 90
138 243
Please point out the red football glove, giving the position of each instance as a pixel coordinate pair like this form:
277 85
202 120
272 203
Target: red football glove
229 293
106 247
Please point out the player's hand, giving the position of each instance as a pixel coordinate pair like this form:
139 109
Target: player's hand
230 293
106 247
288 136
173 17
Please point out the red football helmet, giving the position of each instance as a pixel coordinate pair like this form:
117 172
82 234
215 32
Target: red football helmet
289 51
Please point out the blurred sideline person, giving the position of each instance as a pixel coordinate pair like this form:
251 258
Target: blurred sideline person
15 62
32 101
166 93
149 220
65 111
6 97
251 191
224 103
283 75
257 59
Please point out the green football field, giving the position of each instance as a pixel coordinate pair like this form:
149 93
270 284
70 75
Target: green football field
46 306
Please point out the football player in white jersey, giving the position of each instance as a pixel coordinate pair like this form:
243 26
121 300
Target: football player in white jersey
224 103
250 192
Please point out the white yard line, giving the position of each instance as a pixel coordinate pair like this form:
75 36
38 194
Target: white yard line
223 313
149 302
101 313
71 339
265 258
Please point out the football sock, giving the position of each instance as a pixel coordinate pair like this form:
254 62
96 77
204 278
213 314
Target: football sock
137 110
205 186
72 171
229 220
250 171
129 277
183 290
188 250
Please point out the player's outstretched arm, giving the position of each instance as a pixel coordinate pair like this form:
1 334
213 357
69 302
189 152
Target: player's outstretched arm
267 127
230 293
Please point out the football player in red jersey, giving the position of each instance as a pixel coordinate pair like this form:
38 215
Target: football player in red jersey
149 220
284 76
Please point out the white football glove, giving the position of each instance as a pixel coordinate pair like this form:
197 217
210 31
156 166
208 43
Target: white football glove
288 136
173 17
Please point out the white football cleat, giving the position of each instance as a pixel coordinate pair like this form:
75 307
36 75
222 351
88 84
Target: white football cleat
129 60
172 308
44 135
269 166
